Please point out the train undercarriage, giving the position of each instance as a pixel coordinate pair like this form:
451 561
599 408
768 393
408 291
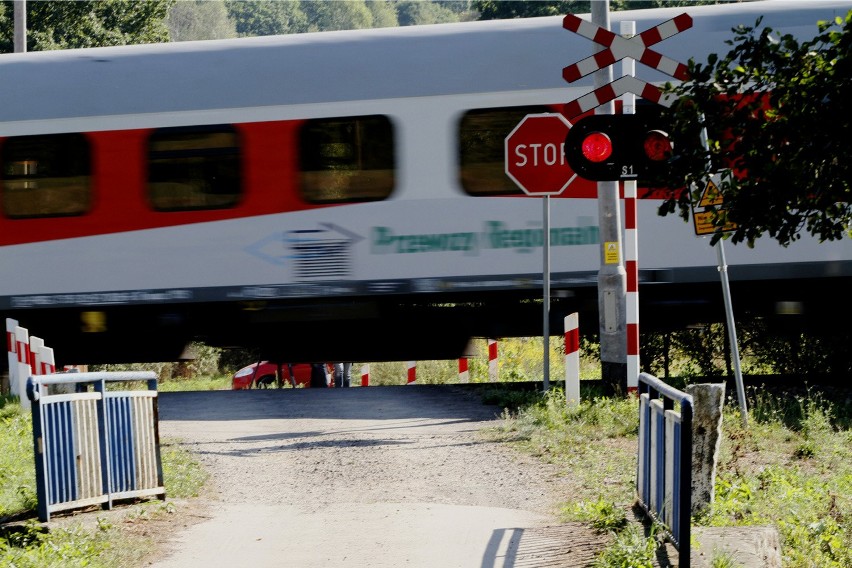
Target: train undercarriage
411 327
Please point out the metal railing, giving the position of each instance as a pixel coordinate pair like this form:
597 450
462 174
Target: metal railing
94 446
664 469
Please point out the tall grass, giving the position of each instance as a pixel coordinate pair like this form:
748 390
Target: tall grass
17 465
519 359
201 383
791 468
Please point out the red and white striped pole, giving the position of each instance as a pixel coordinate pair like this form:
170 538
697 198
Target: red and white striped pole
492 360
48 363
572 359
12 354
36 347
631 266
43 363
22 349
365 375
412 372
464 374
631 240
48 367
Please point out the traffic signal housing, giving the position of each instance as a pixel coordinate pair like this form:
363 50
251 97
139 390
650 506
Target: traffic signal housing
621 147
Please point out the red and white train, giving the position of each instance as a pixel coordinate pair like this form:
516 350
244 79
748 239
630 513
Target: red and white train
338 195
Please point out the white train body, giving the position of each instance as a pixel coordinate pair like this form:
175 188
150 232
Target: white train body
122 279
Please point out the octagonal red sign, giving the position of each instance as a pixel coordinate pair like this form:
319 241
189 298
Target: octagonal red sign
535 154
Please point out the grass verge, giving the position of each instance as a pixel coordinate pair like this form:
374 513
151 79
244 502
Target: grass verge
790 468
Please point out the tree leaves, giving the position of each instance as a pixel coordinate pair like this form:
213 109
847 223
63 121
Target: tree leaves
777 112
87 23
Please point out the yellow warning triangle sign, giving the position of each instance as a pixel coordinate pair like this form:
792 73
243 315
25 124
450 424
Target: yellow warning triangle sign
711 195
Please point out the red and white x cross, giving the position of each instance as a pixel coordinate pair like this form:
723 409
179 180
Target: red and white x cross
618 48
612 91
636 47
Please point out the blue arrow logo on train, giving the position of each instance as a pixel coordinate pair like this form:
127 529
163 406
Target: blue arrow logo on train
325 244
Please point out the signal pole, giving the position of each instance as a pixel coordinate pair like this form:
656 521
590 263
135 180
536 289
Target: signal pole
612 277
20 32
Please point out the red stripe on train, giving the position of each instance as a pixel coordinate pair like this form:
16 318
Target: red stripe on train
119 202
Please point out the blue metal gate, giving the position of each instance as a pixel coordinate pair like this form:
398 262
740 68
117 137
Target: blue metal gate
664 470
94 446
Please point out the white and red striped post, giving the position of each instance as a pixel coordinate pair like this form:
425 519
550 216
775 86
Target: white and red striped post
412 372
492 360
572 359
48 363
464 374
631 237
631 262
12 353
365 375
22 349
36 347
37 360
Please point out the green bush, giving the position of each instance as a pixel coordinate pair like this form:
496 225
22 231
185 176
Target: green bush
17 472
204 362
601 514
631 549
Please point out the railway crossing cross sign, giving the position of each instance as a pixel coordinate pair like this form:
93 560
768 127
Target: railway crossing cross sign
617 48
535 154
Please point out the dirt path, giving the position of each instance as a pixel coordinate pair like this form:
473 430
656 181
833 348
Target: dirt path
385 476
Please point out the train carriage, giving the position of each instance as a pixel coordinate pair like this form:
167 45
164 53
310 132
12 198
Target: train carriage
339 195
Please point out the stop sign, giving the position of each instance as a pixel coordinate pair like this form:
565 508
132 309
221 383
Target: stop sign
535 154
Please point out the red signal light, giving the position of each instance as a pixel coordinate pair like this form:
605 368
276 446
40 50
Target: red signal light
616 147
657 146
597 147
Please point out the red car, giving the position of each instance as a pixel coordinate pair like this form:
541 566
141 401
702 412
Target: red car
263 374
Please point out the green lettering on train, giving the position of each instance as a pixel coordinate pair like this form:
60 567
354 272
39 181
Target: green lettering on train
495 235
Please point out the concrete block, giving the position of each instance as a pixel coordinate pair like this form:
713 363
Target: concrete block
747 547
706 438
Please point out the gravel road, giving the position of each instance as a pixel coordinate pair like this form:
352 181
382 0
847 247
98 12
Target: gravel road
379 476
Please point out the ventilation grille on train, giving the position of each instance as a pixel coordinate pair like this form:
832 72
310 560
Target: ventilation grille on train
319 254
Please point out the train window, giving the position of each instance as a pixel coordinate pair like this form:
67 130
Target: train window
481 136
192 168
346 159
46 176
